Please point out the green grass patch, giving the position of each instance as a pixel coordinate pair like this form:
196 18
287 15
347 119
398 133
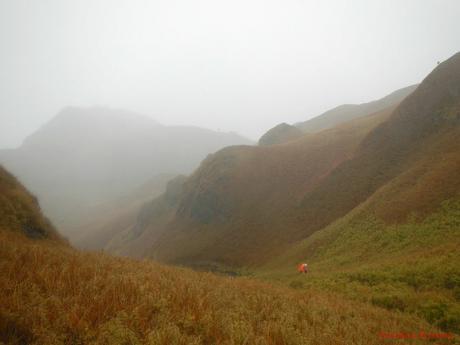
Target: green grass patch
413 267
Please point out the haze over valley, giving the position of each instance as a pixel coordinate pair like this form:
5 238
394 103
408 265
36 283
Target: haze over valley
85 157
270 172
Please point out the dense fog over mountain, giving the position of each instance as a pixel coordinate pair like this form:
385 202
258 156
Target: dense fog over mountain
240 66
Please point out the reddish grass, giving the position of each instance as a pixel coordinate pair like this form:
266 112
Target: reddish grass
52 294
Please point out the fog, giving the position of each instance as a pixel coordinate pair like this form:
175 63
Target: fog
237 65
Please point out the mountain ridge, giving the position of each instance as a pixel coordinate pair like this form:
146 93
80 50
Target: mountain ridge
231 213
346 112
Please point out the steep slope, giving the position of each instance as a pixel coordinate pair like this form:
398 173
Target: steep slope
425 121
399 248
242 202
246 205
135 239
20 212
85 157
347 112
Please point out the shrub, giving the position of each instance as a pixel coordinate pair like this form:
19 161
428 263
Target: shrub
452 281
445 316
391 302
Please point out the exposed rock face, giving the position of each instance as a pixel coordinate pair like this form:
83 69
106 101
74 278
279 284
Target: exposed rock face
156 207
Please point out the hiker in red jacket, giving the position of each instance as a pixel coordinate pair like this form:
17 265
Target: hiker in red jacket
302 268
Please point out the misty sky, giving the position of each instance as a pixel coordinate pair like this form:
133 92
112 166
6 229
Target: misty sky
240 65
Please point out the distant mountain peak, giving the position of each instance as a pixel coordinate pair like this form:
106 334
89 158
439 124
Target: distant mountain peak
88 156
97 113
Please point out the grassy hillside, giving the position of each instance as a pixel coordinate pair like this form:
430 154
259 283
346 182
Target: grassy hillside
19 210
411 266
240 206
372 205
347 112
245 205
52 294
399 248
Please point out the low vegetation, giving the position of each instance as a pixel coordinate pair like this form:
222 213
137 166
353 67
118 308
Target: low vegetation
52 294
412 267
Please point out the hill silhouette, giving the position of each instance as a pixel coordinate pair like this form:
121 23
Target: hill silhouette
347 112
89 156
284 132
280 134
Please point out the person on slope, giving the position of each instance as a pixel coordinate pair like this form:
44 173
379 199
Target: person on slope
302 268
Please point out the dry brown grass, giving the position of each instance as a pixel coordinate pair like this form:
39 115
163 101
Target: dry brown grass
52 294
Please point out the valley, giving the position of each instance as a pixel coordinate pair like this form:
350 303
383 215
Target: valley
126 238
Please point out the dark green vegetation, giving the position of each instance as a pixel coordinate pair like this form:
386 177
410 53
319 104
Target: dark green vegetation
411 267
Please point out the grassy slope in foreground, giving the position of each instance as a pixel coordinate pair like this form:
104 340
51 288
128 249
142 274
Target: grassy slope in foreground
412 267
53 294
